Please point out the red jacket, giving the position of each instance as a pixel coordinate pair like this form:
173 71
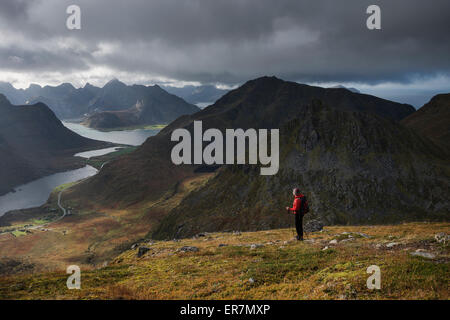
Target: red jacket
297 203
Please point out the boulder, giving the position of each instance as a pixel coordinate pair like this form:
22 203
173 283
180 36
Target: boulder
362 234
203 234
142 251
188 249
442 237
427 255
391 245
313 226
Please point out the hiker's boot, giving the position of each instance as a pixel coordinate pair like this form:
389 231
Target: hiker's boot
299 238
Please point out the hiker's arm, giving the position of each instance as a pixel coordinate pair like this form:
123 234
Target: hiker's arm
295 205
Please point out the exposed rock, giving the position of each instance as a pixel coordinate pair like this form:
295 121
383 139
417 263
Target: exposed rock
362 234
256 246
334 241
326 248
427 255
222 245
188 249
391 244
313 226
134 246
202 234
251 280
142 251
442 237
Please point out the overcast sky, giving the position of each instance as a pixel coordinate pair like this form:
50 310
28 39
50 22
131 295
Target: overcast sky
227 42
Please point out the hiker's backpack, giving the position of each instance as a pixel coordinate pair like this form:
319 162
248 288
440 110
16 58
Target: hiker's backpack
304 206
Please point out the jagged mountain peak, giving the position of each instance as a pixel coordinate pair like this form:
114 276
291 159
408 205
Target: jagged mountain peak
114 82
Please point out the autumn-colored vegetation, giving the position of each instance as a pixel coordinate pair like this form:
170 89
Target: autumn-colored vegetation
263 265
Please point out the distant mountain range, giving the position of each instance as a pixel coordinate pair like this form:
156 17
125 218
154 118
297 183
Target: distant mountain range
346 151
342 87
119 105
34 143
64 100
139 104
197 94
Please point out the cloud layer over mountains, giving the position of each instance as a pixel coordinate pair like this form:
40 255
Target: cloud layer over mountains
224 41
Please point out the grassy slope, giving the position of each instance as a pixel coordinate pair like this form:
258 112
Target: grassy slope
98 161
281 269
90 236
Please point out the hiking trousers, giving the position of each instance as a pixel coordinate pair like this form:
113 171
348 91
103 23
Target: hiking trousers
299 224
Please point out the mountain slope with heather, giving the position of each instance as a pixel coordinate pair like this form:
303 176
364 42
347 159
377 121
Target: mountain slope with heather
34 143
329 264
433 120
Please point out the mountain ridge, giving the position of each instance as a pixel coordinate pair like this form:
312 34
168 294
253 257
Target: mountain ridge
34 143
69 102
432 120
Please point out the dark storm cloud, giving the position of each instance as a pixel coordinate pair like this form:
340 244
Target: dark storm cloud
14 9
230 41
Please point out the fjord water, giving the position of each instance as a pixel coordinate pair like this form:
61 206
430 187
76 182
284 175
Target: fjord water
96 153
130 137
36 193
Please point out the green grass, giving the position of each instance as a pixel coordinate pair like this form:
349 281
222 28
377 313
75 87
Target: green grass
18 233
97 162
64 186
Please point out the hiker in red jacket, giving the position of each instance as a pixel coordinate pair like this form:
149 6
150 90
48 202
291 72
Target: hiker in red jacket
299 209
